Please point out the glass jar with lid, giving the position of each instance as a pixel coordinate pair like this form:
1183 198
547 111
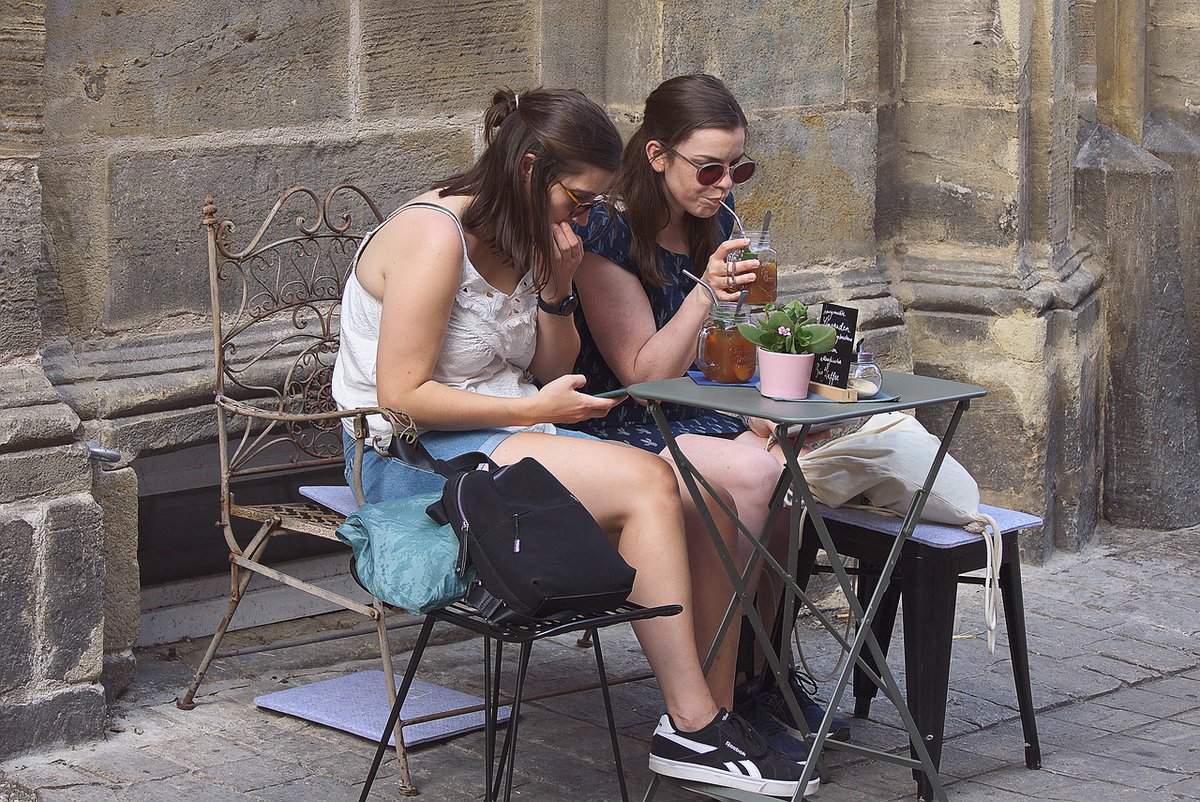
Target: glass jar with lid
726 356
865 376
764 290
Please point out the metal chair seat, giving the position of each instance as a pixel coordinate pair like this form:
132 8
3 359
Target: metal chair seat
301 517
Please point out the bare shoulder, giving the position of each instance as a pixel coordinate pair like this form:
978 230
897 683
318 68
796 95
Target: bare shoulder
416 241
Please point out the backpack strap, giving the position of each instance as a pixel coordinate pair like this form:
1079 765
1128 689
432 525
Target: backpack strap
416 455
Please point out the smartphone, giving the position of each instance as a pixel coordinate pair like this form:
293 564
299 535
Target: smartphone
613 394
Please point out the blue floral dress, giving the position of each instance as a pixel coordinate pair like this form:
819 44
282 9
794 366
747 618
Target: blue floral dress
630 422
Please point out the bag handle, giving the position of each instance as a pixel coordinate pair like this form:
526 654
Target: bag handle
416 455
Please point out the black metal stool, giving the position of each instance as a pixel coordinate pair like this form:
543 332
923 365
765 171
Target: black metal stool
926 581
462 615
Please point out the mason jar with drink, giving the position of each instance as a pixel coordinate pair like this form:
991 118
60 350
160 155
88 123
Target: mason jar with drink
764 290
726 356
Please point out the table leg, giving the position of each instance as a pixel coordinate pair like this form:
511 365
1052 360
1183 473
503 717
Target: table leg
865 637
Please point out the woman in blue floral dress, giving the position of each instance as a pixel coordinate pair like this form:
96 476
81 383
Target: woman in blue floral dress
640 316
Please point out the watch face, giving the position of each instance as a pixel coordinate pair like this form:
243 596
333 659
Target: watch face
564 307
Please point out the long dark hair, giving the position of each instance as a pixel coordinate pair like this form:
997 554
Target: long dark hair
675 109
567 133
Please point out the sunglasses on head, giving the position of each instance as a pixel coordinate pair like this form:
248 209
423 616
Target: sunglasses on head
580 204
709 173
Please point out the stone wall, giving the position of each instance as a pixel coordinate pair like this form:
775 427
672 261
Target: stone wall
51 535
807 76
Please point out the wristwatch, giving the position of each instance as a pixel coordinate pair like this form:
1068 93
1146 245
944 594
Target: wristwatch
562 308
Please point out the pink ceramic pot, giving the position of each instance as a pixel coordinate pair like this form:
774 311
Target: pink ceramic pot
784 376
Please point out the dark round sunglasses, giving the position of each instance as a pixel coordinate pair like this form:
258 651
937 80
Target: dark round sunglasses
710 173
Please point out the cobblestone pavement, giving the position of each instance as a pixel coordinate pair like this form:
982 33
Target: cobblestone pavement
1116 673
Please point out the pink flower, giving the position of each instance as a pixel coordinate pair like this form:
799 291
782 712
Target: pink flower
784 331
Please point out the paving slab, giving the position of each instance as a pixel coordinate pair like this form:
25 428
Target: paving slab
1116 681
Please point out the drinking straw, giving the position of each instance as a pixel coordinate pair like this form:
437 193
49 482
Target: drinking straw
711 294
766 222
736 219
742 300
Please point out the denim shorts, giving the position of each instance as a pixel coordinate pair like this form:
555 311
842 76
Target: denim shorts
385 477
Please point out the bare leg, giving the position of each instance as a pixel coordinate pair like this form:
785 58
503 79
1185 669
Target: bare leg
744 470
769 594
635 494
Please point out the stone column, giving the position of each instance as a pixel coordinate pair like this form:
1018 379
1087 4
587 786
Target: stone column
974 219
1121 66
1137 187
51 542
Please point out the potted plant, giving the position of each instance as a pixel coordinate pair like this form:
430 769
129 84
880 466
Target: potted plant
788 342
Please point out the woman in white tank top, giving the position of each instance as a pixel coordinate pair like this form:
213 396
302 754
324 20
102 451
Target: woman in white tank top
459 307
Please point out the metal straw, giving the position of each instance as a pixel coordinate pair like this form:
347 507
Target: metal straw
741 301
766 222
711 294
736 219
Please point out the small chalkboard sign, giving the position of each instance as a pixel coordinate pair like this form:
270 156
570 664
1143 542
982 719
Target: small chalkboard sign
833 368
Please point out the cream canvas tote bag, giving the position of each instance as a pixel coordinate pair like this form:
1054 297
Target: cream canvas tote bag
885 463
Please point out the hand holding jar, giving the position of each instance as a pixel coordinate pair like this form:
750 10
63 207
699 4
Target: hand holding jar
728 278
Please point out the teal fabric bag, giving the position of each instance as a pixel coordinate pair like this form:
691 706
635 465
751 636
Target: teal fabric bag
402 556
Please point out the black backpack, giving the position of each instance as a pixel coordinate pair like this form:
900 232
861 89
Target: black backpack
536 550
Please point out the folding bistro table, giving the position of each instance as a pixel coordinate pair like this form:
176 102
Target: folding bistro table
914 392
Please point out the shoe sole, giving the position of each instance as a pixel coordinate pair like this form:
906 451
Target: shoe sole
690 771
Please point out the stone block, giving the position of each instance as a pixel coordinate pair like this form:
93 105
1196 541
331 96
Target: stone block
960 50
114 378
21 95
117 494
176 67
1171 141
633 62
442 58
954 174
1074 450
1001 439
76 231
574 40
771 53
818 178
71 613
59 470
865 52
158 253
25 384
20 255
1153 369
1173 71
1121 65
17 578
68 715
37 426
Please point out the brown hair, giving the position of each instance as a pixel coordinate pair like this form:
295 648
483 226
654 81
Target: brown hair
675 109
567 132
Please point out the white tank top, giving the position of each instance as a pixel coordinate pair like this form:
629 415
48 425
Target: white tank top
489 343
